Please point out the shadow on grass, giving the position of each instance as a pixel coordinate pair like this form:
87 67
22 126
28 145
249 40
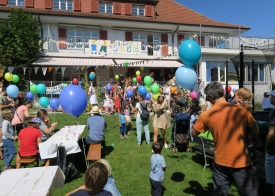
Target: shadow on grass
197 189
177 177
198 158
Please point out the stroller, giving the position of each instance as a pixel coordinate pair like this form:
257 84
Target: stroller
180 135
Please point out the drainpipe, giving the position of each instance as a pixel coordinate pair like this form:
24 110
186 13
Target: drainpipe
41 28
173 40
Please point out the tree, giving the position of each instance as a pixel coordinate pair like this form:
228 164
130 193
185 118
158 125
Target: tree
20 41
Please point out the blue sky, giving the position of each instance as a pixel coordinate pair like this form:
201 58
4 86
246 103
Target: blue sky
259 15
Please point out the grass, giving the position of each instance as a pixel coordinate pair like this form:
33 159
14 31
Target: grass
131 164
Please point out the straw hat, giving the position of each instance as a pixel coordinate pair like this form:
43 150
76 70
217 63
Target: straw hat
95 110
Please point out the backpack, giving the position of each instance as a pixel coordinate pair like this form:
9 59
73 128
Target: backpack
144 115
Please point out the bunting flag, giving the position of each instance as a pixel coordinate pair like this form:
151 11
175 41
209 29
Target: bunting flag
75 68
63 71
29 71
10 69
24 69
50 69
56 68
44 70
2 69
83 67
36 70
103 67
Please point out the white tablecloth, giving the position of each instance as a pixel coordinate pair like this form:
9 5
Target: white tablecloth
34 181
67 136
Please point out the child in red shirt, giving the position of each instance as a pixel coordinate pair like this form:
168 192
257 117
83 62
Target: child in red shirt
117 103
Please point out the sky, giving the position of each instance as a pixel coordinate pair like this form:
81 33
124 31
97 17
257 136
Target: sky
259 15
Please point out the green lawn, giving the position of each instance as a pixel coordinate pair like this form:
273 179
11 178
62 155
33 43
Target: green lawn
130 164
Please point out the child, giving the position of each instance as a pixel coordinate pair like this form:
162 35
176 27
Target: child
244 95
158 166
117 102
122 123
128 118
108 103
8 138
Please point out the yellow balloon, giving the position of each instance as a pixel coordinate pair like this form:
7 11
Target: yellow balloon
8 76
142 68
138 73
155 97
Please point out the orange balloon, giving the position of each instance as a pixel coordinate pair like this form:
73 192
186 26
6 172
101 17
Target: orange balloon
173 90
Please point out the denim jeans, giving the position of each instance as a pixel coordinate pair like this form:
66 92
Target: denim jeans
269 168
9 151
123 129
145 124
192 119
102 142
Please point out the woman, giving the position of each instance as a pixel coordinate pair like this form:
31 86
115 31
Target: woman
126 88
46 128
93 94
160 120
20 115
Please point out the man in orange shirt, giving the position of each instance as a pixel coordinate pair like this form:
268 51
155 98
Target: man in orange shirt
229 124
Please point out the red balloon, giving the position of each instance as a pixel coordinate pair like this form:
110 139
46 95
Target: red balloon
139 78
75 81
229 88
113 88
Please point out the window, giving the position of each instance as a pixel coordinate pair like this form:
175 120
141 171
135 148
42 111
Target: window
156 42
139 37
258 72
16 2
76 38
106 8
63 4
215 71
138 10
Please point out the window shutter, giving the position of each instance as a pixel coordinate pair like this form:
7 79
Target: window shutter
77 5
28 3
48 4
103 35
164 42
3 2
128 36
95 6
149 10
62 35
116 8
201 40
128 8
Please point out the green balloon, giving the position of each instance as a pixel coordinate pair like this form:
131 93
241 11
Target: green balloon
148 89
33 89
155 88
112 144
64 85
126 63
148 80
134 80
15 78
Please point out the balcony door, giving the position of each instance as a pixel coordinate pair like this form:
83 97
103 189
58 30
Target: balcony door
154 42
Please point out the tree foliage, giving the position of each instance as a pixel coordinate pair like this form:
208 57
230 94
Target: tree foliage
20 41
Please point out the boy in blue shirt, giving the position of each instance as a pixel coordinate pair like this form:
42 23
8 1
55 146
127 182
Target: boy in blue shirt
158 166
122 123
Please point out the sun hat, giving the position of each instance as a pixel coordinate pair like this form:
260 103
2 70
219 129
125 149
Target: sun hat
35 120
95 110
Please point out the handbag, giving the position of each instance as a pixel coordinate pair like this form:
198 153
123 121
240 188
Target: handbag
24 125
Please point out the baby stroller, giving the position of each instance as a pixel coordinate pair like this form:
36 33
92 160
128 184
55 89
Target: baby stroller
180 135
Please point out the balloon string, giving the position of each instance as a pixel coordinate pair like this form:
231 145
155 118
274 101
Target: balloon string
77 121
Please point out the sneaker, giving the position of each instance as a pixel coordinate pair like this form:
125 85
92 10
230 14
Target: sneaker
121 137
126 136
7 168
152 151
165 146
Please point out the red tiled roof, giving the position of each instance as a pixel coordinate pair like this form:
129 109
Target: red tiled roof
167 11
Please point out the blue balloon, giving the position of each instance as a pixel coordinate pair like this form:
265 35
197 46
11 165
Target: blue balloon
73 100
54 103
142 90
129 93
108 87
233 90
44 101
30 96
147 96
80 82
12 91
92 76
41 89
186 77
190 52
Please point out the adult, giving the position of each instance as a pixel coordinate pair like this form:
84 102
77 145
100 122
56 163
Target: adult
167 94
96 125
270 147
139 122
229 124
126 88
266 103
20 115
93 94
46 127
160 119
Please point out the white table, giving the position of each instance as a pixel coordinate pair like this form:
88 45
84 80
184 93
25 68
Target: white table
34 181
67 136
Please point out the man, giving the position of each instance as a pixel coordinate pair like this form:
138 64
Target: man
228 124
96 125
270 147
139 122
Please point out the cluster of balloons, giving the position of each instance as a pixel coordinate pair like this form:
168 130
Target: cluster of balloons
229 89
148 89
11 77
190 54
92 75
110 87
138 77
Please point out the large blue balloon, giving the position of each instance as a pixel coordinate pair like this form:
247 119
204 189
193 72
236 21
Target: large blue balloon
73 100
190 52
44 101
12 91
108 87
129 93
92 76
41 89
30 96
54 103
186 77
147 96
142 90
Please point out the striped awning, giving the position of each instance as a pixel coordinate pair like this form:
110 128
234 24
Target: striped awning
149 63
57 61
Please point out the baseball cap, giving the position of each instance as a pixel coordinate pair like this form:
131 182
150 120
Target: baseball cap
271 93
35 120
